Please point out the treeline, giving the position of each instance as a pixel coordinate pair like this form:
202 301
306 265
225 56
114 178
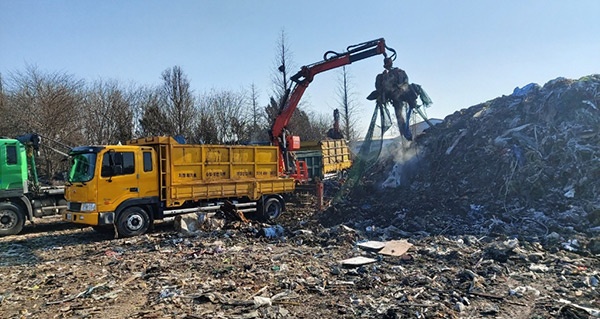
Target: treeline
63 108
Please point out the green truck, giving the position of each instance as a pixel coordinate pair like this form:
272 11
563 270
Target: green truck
22 196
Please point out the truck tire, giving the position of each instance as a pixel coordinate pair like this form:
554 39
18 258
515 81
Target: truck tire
133 221
12 219
271 209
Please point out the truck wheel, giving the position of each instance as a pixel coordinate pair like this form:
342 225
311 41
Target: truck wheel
12 219
133 221
271 209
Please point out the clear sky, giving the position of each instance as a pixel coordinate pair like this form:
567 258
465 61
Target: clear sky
461 52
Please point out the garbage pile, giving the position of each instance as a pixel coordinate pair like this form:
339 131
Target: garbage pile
525 165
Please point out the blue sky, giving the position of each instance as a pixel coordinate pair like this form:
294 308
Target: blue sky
461 52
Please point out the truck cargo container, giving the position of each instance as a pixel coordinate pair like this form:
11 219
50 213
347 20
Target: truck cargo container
129 186
326 159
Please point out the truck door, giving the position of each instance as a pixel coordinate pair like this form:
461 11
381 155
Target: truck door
148 173
118 181
13 166
130 174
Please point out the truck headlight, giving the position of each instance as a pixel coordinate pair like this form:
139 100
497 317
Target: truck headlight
88 207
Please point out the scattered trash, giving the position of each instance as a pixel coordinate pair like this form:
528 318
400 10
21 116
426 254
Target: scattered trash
591 311
395 248
191 224
272 232
538 268
524 290
371 245
262 301
357 261
571 245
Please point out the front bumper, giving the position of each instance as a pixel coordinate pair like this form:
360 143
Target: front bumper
92 219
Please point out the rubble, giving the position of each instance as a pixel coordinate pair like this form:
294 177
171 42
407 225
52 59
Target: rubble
498 222
231 273
525 165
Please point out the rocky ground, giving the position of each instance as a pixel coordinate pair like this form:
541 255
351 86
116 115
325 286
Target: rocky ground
227 270
500 204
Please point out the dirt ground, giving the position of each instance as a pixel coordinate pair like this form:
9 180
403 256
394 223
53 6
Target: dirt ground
57 270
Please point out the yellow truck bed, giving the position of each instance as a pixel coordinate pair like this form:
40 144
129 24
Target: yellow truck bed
335 155
199 172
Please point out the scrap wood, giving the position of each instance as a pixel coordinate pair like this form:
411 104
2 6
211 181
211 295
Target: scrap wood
412 304
215 297
395 248
341 283
232 213
256 301
481 294
371 245
283 302
357 261
462 134
86 292
109 295
496 297
259 291
132 278
389 248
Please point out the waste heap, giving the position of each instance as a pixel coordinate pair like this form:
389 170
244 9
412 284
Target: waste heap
526 165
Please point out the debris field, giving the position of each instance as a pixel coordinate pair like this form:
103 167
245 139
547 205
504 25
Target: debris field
497 215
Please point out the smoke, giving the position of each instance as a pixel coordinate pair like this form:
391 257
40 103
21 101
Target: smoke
403 155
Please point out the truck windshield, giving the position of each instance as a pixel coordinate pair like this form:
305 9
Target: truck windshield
83 167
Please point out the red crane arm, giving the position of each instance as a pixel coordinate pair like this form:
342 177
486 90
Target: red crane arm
331 60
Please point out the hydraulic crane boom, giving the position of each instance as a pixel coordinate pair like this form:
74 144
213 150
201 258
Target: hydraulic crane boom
302 79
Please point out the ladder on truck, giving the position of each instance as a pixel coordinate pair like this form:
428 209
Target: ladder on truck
163 152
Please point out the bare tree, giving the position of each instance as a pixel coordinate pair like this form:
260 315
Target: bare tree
308 126
226 113
259 127
3 119
49 104
152 121
283 62
108 113
318 125
178 102
1 92
46 103
206 129
349 108
137 97
300 122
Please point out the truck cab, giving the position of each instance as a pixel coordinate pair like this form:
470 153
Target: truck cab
106 179
13 168
21 195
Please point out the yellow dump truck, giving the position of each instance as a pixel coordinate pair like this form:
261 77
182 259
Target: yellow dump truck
325 159
127 187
